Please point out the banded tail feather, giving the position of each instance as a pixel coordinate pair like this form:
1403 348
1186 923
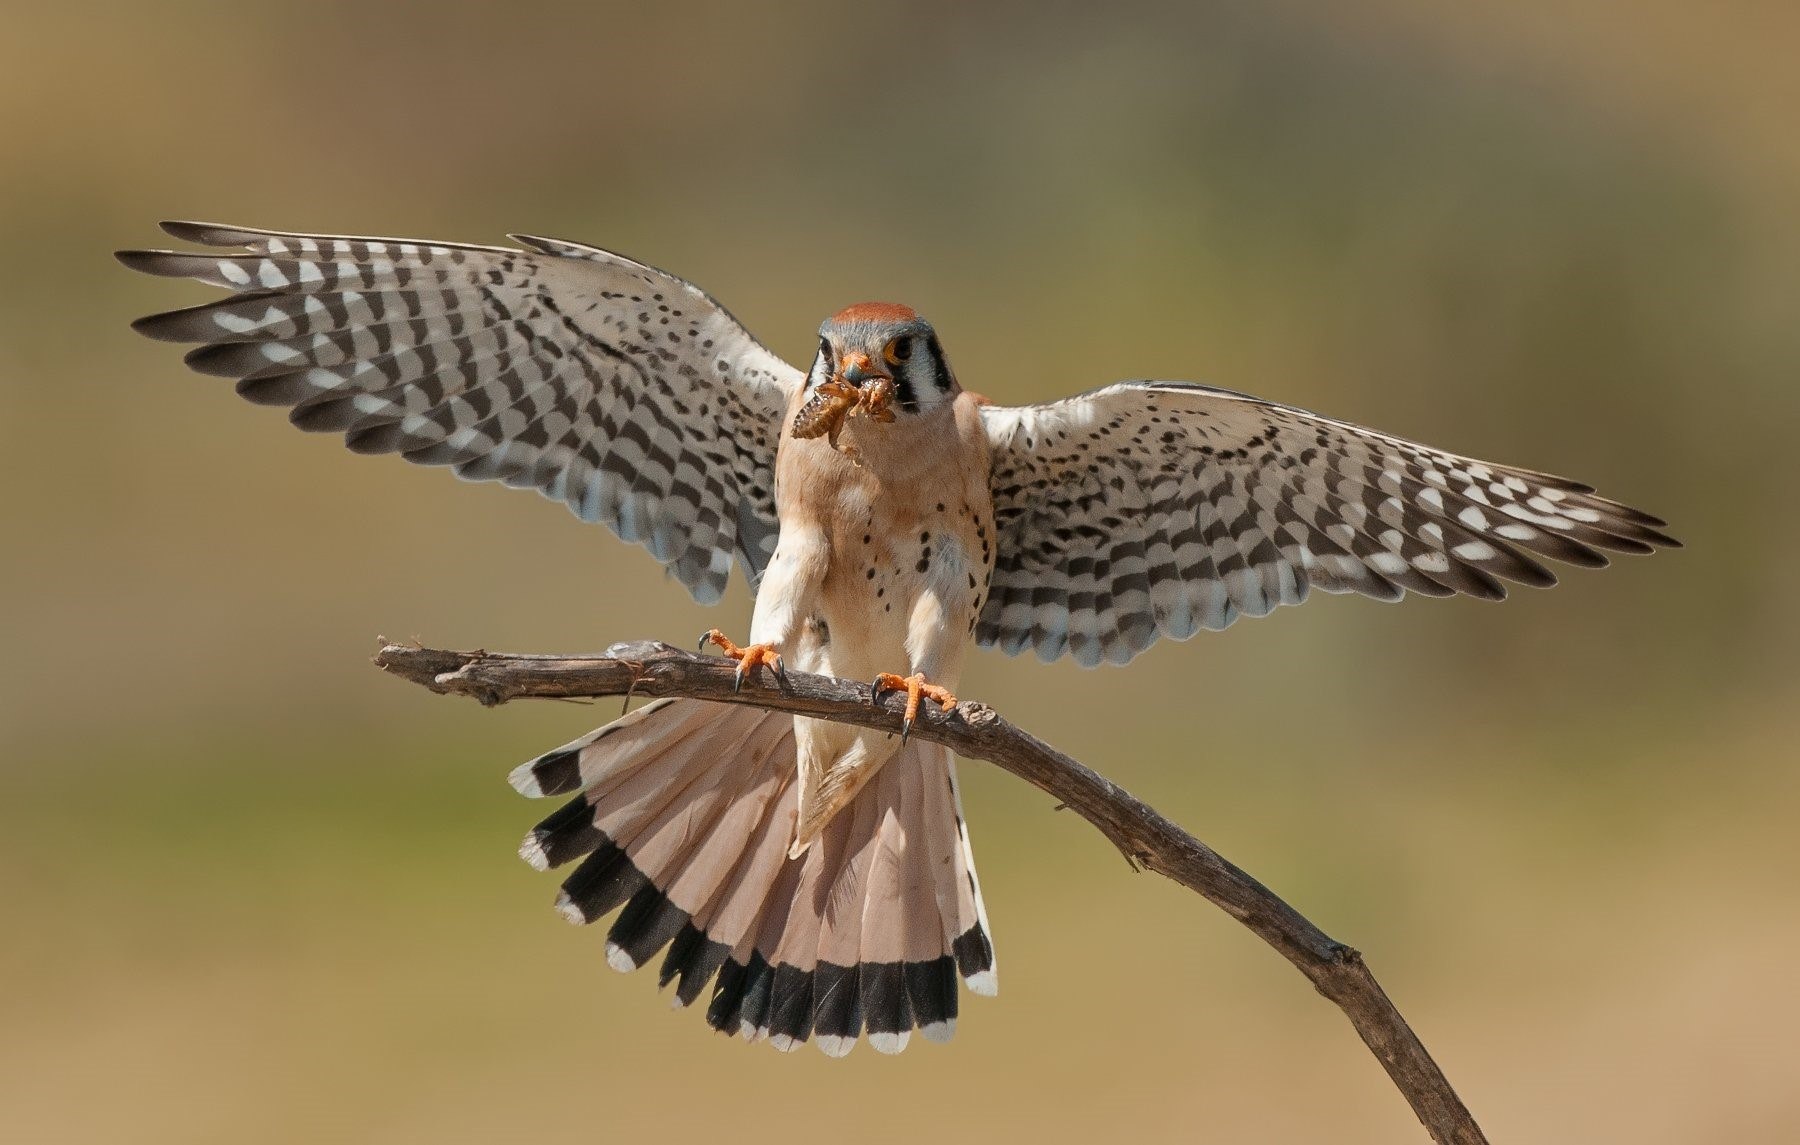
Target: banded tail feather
681 819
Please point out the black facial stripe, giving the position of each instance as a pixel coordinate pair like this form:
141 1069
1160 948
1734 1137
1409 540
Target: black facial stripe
940 369
903 389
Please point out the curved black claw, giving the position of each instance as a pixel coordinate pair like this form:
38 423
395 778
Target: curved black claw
705 639
737 677
875 693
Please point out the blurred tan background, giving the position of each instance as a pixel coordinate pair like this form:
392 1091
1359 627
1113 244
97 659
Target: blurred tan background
256 892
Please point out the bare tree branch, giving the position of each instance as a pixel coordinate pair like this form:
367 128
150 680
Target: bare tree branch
973 730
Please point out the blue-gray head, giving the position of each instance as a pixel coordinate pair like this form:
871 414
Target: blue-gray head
884 340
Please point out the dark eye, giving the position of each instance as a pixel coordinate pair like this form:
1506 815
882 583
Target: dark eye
825 349
897 351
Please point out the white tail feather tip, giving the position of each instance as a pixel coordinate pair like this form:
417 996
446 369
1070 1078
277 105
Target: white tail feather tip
835 1046
571 913
525 781
938 1031
531 849
618 959
983 982
890 1043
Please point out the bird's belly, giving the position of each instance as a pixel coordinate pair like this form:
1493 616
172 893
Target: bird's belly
907 560
862 634
899 608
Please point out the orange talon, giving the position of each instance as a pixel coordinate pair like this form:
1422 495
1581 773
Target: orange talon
747 657
914 686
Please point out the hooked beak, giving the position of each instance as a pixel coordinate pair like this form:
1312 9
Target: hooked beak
856 368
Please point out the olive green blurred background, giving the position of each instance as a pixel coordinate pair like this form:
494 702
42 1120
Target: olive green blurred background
255 892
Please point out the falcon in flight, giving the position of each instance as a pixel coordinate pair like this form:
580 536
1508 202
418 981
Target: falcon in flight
818 877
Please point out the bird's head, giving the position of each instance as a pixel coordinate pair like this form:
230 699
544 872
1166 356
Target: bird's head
875 358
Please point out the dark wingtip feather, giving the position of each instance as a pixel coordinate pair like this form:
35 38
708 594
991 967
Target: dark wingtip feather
1418 582
218 360
276 390
1622 544
379 437
435 453
206 234
158 326
1480 584
1528 571
1637 516
1568 550
1649 535
332 413
149 262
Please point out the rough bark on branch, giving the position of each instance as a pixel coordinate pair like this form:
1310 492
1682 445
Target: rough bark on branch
973 730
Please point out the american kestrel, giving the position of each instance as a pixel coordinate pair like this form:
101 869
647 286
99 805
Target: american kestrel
819 876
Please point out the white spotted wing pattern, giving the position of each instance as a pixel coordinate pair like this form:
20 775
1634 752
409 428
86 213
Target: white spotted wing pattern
1149 509
606 384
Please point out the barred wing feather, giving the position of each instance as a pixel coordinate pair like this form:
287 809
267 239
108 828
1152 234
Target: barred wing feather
1149 509
606 384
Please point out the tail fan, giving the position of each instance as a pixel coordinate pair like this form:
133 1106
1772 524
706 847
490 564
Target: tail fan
682 823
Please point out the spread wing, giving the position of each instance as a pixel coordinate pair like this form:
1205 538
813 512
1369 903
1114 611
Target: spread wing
603 383
1160 508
